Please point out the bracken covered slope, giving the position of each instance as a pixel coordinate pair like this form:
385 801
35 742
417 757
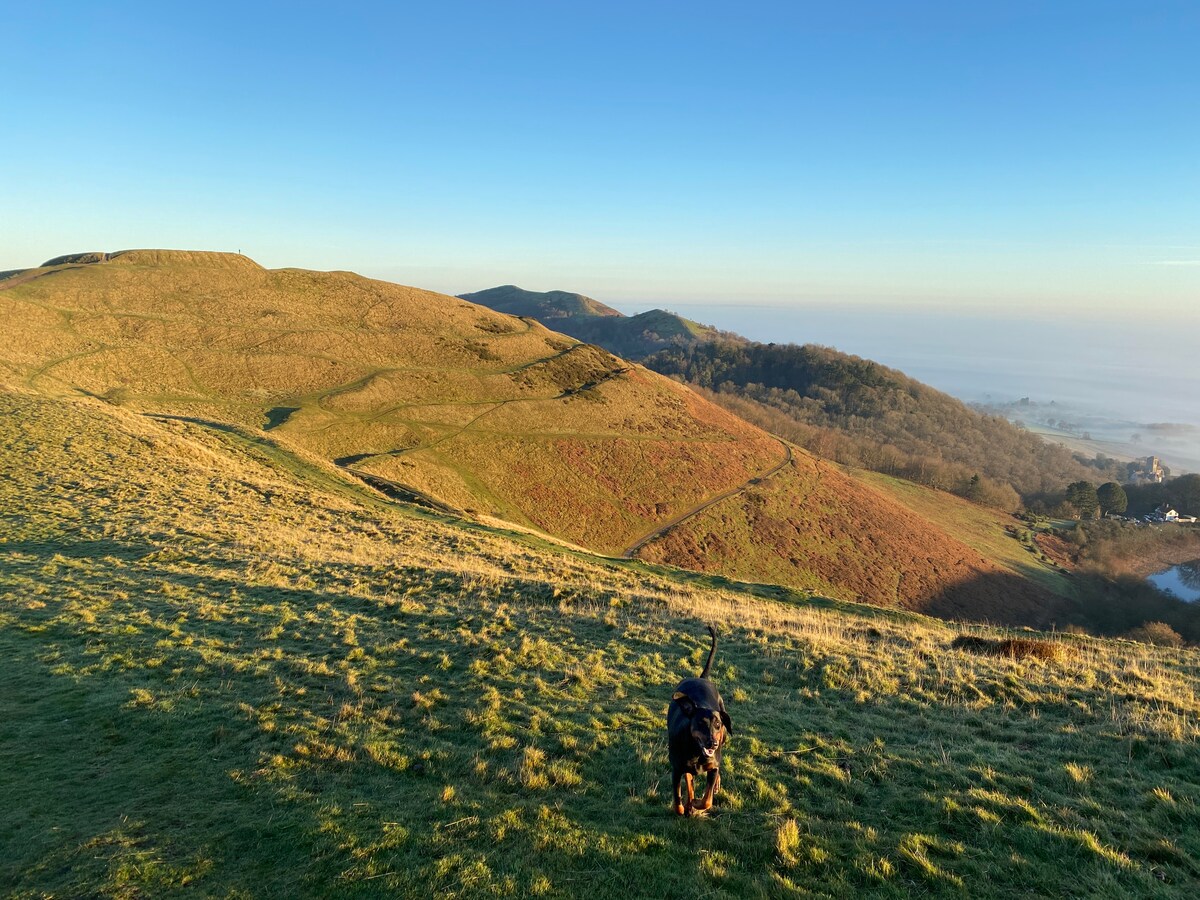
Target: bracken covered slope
813 526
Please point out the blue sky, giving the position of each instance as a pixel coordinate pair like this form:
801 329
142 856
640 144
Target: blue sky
975 156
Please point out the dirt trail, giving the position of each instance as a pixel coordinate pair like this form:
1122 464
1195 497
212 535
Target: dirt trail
632 549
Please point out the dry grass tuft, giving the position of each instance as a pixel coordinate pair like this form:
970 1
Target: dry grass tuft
1014 648
1026 648
1158 633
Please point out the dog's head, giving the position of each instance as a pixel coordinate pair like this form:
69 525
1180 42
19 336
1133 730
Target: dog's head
710 728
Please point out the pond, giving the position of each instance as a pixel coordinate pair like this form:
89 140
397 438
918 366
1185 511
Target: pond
1183 581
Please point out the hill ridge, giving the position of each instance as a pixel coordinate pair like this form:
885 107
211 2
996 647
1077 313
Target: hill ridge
587 319
152 257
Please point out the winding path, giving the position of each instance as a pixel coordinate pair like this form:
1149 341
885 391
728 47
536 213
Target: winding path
630 551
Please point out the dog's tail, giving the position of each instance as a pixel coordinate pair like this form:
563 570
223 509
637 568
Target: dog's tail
711 652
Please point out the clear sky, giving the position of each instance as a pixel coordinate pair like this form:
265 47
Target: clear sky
977 155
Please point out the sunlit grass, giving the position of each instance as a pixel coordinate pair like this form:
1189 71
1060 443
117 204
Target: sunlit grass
224 676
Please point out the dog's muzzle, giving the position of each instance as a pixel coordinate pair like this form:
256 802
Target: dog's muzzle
709 751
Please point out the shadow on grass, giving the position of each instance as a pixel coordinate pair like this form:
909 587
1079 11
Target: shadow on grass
175 722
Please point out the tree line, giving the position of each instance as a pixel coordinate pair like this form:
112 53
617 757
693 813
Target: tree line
1084 500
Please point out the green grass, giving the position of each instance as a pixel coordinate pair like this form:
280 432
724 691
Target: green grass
978 527
223 677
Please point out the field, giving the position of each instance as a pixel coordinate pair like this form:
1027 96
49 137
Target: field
232 670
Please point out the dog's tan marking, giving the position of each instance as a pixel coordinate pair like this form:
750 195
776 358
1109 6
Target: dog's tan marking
709 789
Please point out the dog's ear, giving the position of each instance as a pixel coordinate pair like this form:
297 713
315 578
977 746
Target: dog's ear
725 720
685 702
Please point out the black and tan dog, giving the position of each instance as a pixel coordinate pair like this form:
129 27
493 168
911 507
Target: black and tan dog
697 729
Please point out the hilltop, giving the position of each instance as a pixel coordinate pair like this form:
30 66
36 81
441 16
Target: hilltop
493 418
561 307
590 320
233 669
853 410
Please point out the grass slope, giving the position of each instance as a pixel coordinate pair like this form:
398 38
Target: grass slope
487 413
230 671
814 527
984 530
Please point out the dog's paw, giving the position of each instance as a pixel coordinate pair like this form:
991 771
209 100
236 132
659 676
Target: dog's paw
679 811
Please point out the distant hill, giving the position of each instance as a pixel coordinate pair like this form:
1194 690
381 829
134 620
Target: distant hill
590 320
556 306
494 418
840 406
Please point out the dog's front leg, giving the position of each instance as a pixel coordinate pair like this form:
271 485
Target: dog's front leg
710 788
679 808
691 797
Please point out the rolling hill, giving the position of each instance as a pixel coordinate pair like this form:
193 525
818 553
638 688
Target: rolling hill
488 416
484 413
232 669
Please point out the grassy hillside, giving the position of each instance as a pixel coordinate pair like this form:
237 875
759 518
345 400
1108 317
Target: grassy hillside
486 413
857 542
231 670
472 412
842 407
985 530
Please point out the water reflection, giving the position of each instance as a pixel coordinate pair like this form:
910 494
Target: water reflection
1189 574
1183 581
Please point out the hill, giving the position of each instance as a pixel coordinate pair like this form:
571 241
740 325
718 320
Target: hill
483 413
231 669
560 307
494 418
843 407
590 320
